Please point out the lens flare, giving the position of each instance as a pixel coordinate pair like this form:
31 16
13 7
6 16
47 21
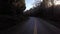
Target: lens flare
57 2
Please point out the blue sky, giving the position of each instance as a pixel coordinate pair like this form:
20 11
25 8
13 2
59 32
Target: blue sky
29 4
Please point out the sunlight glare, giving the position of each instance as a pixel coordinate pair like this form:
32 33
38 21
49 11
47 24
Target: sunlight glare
57 2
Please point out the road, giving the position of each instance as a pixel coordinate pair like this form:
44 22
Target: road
37 26
33 25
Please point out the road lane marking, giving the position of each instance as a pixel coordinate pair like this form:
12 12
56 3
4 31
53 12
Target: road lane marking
35 27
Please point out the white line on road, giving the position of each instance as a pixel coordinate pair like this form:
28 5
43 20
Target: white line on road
35 27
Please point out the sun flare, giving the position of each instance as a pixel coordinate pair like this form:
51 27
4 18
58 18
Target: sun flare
57 2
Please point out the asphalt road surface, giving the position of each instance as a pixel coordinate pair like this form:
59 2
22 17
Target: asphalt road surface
37 26
34 25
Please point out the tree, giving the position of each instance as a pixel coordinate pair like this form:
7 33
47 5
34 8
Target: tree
10 7
7 9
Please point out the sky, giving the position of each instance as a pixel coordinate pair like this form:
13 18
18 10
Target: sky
29 4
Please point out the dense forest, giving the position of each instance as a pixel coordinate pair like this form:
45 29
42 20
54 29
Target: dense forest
11 13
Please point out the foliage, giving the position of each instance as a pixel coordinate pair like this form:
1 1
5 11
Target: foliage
10 15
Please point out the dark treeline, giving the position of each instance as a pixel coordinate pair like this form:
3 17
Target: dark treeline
11 15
